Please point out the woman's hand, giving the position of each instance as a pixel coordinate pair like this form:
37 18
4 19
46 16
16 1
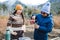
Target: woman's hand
14 33
36 26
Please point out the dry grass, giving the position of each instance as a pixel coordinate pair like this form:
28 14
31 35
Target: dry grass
57 21
3 23
4 20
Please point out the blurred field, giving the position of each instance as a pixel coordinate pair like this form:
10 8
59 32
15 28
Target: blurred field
29 27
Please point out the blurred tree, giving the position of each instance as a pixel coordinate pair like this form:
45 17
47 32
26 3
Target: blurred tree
4 7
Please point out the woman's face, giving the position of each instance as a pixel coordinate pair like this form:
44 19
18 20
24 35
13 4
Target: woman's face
44 14
19 12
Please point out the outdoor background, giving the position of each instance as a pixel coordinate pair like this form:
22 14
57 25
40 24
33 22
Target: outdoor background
6 9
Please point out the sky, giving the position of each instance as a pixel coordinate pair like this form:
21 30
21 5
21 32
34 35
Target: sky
30 2
33 2
2 0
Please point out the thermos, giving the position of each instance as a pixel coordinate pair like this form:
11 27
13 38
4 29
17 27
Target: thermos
7 35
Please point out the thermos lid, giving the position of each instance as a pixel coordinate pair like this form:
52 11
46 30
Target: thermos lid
8 28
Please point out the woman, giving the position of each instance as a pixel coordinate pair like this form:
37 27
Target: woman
16 22
43 23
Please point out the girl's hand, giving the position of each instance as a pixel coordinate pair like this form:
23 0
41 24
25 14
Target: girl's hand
32 21
36 26
14 33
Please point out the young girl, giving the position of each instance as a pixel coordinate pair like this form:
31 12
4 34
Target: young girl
43 23
16 22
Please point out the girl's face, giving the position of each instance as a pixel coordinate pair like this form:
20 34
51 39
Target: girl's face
44 14
19 12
